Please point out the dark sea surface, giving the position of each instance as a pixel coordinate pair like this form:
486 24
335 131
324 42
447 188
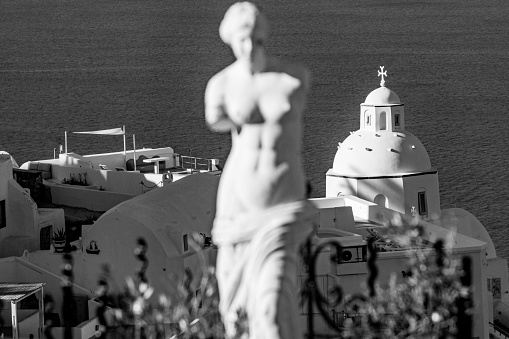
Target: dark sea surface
72 65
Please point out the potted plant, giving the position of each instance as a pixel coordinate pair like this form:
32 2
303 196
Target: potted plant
59 240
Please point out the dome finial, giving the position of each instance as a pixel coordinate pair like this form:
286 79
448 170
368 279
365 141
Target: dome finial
382 73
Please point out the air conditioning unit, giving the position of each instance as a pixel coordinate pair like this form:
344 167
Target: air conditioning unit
352 254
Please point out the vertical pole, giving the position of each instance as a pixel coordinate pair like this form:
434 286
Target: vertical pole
125 152
15 334
310 289
65 142
41 315
134 151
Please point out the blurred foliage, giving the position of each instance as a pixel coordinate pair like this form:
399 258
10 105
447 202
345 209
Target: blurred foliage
193 315
432 298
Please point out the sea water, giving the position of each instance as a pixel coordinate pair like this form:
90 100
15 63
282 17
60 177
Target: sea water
74 65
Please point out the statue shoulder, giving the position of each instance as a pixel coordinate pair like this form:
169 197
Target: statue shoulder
217 81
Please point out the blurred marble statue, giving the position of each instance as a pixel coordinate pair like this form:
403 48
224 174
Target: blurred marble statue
262 214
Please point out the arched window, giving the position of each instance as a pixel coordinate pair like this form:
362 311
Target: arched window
368 119
397 122
381 200
383 121
422 204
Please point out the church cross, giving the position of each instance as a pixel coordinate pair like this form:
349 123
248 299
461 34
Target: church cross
382 73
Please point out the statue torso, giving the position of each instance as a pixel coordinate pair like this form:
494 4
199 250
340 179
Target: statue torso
267 109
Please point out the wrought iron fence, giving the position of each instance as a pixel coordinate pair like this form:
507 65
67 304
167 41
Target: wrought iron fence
497 330
316 303
313 298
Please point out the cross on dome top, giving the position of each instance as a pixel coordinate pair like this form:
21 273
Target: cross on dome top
382 73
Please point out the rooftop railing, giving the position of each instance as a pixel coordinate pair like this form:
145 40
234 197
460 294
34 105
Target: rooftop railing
195 163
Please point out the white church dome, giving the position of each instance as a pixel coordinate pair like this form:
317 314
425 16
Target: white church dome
382 96
371 154
382 146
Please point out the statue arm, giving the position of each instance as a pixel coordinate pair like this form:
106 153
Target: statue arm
215 115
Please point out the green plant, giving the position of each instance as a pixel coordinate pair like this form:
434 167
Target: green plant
431 299
90 219
59 235
80 179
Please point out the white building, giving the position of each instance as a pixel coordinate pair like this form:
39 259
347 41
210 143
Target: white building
165 217
381 171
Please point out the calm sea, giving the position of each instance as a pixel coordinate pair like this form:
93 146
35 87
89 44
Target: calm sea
71 65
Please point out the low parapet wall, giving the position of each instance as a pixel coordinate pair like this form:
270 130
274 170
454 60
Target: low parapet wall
86 197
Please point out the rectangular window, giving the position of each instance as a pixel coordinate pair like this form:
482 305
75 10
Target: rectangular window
396 120
496 288
421 201
186 244
3 219
199 298
45 237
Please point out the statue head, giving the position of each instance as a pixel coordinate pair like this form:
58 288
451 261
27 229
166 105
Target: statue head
242 16
244 28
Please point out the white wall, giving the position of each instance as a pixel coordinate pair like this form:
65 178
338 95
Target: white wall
116 159
392 188
116 236
5 174
430 183
21 212
112 181
92 199
335 185
16 245
401 192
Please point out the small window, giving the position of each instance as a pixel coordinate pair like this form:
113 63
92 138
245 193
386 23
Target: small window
396 120
368 119
381 200
496 288
186 244
45 238
3 219
383 121
421 202
199 298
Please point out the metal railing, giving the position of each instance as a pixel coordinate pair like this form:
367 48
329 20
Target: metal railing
497 330
195 163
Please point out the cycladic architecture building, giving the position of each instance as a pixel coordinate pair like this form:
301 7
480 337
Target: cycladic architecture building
382 171
383 162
